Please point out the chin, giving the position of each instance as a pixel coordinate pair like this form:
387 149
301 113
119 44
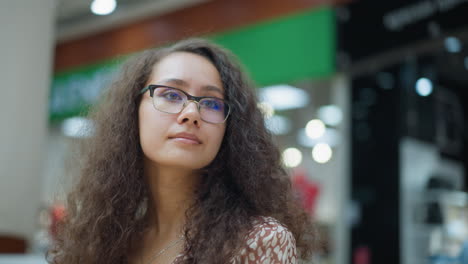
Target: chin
183 163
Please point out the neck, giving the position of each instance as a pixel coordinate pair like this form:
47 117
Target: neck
171 195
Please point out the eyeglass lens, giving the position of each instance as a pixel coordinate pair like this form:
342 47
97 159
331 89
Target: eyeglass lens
172 101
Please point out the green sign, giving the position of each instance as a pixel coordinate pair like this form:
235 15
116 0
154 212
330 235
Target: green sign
292 48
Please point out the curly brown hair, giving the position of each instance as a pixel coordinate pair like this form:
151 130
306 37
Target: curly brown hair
105 209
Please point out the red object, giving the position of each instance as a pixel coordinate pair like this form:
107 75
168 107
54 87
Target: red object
362 255
308 190
57 213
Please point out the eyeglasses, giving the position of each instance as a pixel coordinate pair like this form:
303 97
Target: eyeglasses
172 101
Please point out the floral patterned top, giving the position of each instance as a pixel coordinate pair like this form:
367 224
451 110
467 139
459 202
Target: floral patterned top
269 242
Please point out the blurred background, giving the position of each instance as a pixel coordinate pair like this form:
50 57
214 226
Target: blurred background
367 101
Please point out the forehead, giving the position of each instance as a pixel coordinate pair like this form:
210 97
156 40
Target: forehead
194 69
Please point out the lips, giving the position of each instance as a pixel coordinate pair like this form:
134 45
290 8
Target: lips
186 137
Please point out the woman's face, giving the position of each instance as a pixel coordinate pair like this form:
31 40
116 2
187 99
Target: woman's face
181 140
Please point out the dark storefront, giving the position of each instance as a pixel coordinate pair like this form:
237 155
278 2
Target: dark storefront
408 62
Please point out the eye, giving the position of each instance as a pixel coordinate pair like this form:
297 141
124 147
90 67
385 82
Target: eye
212 104
171 95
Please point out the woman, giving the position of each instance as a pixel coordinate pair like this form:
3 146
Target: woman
182 170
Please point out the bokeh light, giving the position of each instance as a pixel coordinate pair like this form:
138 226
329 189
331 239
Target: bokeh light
315 128
292 157
322 153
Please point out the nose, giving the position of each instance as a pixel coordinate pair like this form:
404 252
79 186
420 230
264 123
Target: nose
190 114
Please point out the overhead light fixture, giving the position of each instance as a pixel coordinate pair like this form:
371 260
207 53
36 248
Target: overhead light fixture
315 128
283 97
423 86
77 127
278 125
330 114
103 7
331 137
453 44
292 157
322 153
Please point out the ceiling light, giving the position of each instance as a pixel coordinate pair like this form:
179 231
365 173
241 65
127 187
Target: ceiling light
292 157
315 128
278 125
103 7
453 44
423 86
283 97
331 137
322 153
77 127
330 114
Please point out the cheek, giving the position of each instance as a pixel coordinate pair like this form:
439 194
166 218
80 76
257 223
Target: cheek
218 139
149 127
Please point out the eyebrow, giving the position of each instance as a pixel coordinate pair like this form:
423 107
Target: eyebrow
184 83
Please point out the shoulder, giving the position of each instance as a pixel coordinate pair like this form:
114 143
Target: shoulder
268 241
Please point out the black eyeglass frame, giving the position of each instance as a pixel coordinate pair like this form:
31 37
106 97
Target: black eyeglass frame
195 99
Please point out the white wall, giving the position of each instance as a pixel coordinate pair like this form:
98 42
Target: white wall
26 52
